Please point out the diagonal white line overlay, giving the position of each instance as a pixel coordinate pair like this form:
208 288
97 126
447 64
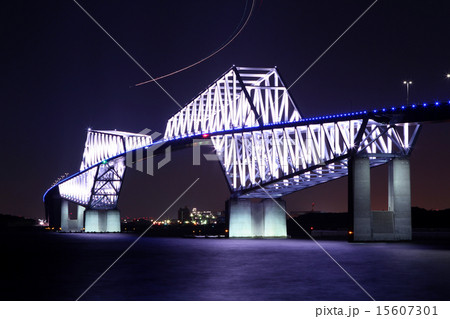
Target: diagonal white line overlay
332 44
134 242
321 247
128 54
324 52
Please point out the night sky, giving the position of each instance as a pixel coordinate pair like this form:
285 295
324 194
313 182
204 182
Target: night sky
61 74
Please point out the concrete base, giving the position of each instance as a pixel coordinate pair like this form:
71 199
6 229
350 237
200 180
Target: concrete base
359 198
391 225
102 221
64 215
265 219
80 218
400 198
113 221
71 225
91 221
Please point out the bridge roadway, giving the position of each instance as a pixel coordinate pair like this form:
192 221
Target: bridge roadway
435 112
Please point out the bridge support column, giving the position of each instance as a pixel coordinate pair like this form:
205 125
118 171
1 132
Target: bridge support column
68 224
64 215
359 198
240 213
113 221
102 221
91 221
274 218
250 219
391 225
80 218
400 197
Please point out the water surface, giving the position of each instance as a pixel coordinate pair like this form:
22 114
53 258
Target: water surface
53 266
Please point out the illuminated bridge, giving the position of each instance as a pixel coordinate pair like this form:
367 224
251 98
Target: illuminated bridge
267 150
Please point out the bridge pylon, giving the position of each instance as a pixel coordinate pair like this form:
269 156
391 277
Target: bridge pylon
391 225
253 219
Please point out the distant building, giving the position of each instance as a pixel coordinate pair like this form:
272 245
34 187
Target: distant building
197 217
205 217
184 215
220 217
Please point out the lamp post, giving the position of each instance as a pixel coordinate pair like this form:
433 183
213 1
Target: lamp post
407 83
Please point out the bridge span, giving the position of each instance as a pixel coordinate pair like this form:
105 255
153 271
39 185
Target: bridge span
267 149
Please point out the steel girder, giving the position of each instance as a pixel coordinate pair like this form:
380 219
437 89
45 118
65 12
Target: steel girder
285 160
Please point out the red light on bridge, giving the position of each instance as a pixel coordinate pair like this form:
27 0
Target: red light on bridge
205 135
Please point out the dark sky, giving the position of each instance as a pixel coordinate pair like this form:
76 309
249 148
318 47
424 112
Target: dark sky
61 74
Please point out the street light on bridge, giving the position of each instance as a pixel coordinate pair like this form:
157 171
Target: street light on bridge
447 75
407 83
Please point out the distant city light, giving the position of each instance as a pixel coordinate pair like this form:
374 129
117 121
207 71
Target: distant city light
42 222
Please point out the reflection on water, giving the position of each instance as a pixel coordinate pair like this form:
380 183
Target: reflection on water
61 266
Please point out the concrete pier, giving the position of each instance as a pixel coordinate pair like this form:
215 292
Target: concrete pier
64 215
102 221
274 218
359 198
400 197
91 221
263 219
240 212
391 225
68 224
113 221
80 218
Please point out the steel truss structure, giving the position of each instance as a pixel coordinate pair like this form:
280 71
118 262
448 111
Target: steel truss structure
291 156
260 137
242 97
288 159
99 181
